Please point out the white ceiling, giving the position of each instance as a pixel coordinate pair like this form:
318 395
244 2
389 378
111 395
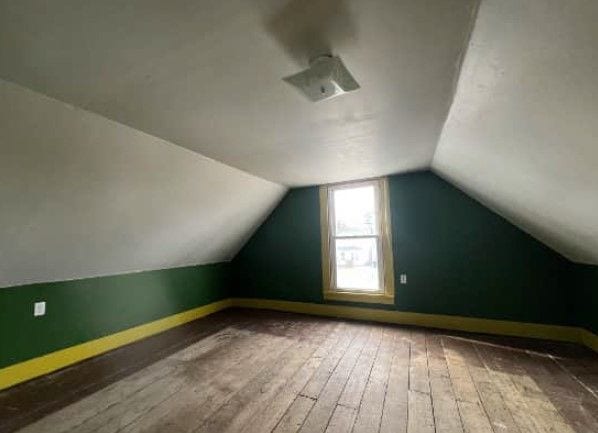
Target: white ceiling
522 134
207 75
85 196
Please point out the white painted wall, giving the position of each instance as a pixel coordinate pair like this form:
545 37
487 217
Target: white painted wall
81 196
522 133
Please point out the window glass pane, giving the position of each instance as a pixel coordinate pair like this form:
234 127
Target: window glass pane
355 211
357 264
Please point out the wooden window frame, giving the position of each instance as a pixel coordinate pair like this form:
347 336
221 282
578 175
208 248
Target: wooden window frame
385 266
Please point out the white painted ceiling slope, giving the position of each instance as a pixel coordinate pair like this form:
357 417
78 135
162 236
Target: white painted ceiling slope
84 196
207 75
522 133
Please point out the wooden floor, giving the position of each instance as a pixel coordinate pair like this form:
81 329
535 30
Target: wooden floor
249 371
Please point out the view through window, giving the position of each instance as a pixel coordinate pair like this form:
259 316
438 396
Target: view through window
355 241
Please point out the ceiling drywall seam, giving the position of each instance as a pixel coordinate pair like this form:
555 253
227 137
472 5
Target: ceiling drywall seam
458 71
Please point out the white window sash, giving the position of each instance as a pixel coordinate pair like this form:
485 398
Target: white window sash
333 237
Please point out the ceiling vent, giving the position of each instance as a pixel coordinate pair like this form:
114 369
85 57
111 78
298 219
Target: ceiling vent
325 78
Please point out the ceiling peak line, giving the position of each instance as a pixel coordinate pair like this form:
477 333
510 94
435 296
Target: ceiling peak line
459 71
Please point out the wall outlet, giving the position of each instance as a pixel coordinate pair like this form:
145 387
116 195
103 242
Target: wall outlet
39 308
403 279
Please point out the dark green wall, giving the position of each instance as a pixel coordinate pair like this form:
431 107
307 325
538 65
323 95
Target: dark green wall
460 257
283 258
82 310
587 296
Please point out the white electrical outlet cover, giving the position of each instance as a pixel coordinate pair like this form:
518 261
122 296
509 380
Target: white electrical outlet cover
39 308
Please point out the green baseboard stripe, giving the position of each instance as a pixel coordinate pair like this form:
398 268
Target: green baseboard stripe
35 367
469 324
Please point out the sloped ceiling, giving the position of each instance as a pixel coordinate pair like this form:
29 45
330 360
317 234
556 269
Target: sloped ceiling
84 196
522 133
207 75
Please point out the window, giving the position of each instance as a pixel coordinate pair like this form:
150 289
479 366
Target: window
356 246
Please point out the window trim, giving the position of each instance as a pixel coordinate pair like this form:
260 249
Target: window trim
385 296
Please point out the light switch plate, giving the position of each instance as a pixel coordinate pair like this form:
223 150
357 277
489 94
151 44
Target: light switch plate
39 308
403 278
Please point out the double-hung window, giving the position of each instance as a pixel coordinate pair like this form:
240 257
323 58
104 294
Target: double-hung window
356 242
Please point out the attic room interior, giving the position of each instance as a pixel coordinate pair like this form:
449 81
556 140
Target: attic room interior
299 216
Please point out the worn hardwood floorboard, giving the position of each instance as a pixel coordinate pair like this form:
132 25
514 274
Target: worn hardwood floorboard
446 411
268 417
261 372
300 408
490 396
572 400
342 420
395 409
238 410
369 416
472 411
318 417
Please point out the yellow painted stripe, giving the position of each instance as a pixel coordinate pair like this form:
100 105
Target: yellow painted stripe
32 368
589 339
35 367
469 324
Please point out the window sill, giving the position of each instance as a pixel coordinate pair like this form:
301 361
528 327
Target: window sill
371 298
